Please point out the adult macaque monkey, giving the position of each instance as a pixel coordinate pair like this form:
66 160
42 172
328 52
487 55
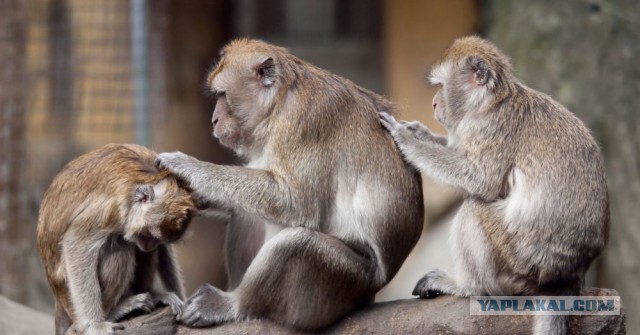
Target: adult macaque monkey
322 171
103 232
536 212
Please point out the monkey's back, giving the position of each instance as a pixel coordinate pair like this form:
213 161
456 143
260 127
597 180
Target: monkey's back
559 192
92 192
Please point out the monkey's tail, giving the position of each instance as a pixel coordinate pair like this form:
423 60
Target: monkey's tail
551 325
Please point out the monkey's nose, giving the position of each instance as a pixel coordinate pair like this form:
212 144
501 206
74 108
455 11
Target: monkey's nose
214 120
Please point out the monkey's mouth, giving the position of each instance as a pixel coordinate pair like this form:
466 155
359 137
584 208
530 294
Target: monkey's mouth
146 242
226 137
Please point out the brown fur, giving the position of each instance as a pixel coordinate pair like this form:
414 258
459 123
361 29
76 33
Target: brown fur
93 194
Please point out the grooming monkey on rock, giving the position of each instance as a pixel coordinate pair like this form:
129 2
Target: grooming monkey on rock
536 212
342 210
104 232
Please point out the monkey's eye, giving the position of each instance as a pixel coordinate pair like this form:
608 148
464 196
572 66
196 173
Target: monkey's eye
220 94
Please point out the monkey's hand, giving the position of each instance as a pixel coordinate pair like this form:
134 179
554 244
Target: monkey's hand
433 284
401 135
419 130
208 306
404 131
139 302
181 165
170 299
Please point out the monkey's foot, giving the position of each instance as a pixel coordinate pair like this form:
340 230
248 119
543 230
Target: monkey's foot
208 306
170 299
433 284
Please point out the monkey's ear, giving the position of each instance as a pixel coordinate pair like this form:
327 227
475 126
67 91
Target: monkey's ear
143 194
266 72
481 72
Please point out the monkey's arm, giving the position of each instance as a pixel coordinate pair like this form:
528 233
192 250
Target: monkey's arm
445 164
80 252
168 270
170 277
253 190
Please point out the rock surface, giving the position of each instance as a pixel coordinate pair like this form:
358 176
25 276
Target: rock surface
443 315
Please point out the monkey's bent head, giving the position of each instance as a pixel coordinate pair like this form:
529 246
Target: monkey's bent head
160 213
118 188
97 212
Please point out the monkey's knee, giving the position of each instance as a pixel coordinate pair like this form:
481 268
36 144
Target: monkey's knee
299 266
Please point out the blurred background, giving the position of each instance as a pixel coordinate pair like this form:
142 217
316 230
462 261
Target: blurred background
77 74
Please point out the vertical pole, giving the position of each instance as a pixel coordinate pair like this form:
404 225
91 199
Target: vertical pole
140 66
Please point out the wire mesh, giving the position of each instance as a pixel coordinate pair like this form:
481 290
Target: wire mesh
66 86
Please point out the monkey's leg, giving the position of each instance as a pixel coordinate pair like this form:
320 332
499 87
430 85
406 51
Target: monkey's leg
81 255
474 272
300 277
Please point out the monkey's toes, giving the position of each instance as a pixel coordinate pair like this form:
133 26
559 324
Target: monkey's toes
208 306
423 291
429 285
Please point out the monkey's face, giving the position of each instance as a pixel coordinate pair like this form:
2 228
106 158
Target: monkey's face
159 214
245 84
464 89
225 127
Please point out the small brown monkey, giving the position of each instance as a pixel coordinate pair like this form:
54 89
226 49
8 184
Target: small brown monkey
536 212
103 234
338 207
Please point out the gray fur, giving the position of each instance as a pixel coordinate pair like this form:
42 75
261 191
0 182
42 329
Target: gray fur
536 211
339 209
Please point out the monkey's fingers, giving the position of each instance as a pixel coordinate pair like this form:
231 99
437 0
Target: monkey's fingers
169 160
434 283
388 121
172 300
428 294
